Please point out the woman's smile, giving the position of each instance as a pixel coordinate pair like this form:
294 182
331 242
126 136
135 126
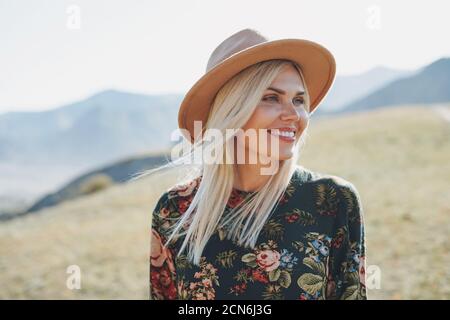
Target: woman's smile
283 134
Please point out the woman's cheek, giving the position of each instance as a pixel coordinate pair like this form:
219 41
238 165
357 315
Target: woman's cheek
267 115
304 119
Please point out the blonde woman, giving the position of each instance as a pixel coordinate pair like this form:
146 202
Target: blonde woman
257 225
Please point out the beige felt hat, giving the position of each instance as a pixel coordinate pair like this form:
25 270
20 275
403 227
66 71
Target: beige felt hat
244 49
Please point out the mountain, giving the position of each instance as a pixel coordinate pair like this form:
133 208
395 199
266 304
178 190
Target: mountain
431 84
107 126
347 89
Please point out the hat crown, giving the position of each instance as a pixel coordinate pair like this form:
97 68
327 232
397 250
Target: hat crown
235 43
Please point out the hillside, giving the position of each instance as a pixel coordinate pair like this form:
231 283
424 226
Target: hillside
103 177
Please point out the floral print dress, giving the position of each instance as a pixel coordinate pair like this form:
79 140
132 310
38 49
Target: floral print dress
312 247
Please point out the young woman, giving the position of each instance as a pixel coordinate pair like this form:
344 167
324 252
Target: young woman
234 231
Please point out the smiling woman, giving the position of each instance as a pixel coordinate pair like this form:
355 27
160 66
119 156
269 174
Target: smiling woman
234 231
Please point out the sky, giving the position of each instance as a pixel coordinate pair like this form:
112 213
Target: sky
57 52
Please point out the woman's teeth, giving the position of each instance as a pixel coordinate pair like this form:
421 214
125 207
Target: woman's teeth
290 134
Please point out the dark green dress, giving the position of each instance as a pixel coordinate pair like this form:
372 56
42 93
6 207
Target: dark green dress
312 247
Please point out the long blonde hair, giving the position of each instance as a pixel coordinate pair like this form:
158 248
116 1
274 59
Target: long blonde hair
232 107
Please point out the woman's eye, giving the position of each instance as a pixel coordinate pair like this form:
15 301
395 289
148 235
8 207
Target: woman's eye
299 101
273 98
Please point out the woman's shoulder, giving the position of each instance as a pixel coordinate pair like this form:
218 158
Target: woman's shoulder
171 205
186 188
329 196
328 189
307 176
176 197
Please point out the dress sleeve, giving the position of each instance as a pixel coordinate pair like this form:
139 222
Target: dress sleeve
348 247
163 284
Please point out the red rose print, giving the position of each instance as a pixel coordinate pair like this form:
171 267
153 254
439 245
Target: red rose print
268 260
259 276
235 199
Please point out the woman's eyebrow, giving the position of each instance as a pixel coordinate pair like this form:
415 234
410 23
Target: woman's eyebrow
283 92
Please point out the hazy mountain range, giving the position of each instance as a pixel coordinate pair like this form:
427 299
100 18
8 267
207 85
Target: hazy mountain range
431 84
105 127
347 89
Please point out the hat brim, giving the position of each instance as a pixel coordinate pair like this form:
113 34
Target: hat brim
316 62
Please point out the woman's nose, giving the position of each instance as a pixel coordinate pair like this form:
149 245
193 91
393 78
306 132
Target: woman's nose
290 112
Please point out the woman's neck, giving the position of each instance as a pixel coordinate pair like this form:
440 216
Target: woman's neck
248 177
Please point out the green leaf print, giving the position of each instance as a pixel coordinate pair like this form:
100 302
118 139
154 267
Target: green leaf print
317 267
183 289
242 276
350 293
312 236
349 200
221 233
304 218
249 257
272 292
326 200
284 279
311 283
273 230
226 258
274 275
290 190
352 278
182 262
298 245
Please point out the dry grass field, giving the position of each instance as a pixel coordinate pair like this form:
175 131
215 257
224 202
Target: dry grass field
398 159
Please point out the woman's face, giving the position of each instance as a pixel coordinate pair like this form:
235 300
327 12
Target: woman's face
281 107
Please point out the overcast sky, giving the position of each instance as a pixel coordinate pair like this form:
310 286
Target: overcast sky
56 52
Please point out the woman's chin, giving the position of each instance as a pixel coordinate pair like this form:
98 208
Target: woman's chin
282 155
285 157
